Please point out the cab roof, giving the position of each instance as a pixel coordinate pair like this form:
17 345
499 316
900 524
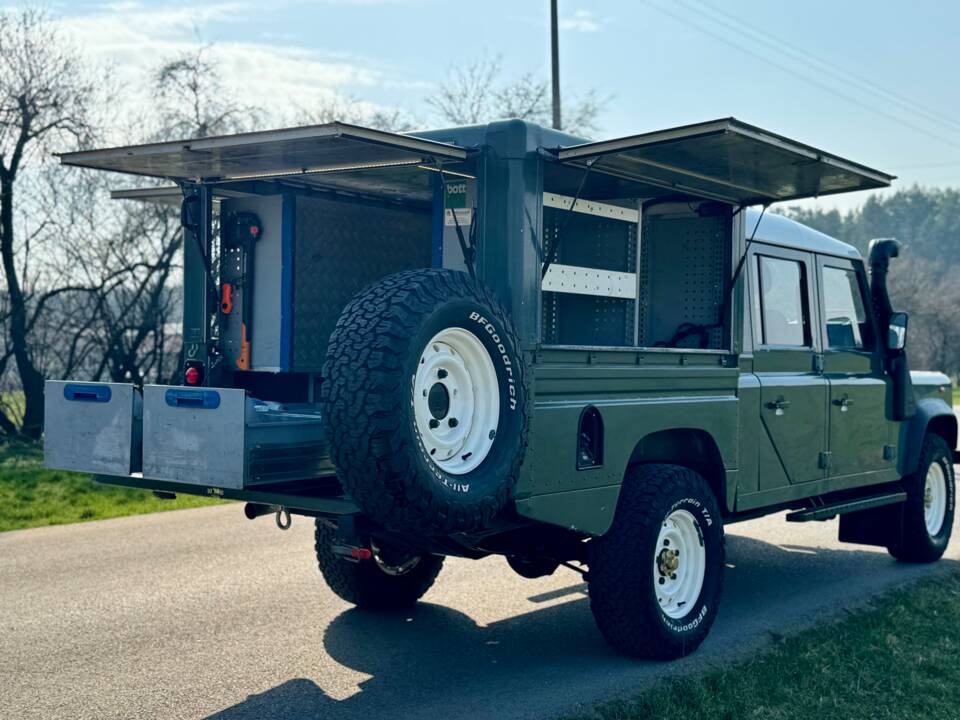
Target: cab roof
782 231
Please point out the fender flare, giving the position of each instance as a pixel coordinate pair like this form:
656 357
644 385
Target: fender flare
912 432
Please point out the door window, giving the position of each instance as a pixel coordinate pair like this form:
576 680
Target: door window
844 309
783 305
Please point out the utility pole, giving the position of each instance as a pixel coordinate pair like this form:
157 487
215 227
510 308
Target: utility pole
555 61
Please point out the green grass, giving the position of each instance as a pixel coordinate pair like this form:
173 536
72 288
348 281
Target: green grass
898 658
31 495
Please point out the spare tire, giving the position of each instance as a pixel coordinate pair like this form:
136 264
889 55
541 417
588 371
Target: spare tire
425 403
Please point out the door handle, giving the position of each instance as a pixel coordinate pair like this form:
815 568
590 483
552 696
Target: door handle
843 403
778 406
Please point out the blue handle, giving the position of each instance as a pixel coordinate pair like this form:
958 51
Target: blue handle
75 392
202 399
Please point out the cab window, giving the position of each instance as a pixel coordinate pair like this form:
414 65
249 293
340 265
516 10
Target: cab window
783 308
844 309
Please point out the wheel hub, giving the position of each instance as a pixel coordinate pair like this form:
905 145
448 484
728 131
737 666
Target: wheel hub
668 562
438 400
456 400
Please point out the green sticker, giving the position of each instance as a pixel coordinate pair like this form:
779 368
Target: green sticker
456 195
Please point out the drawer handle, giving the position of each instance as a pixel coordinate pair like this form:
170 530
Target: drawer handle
197 399
75 392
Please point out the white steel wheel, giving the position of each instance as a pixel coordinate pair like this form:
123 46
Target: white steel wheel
935 498
456 400
679 564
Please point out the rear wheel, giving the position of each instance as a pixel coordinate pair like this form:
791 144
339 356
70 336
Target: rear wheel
928 511
655 577
393 578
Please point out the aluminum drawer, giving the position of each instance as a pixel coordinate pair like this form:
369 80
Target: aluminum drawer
92 427
219 437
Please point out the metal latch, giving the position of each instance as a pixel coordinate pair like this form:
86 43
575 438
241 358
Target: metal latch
823 461
778 406
843 403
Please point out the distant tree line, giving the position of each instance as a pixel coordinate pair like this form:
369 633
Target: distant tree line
925 279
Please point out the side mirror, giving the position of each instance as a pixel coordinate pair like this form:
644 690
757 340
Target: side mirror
897 331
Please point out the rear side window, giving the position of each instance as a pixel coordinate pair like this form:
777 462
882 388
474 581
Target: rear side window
783 306
844 309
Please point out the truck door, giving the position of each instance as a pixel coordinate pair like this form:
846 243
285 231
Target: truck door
793 390
858 386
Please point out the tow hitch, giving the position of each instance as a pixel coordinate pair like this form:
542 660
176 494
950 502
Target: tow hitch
254 510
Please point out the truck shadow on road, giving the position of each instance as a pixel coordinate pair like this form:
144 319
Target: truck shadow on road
437 662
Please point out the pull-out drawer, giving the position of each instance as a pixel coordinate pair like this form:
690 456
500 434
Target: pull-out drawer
92 427
219 437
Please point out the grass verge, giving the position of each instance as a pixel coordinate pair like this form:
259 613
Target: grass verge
897 658
31 495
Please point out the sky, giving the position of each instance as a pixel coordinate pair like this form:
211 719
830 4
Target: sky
871 81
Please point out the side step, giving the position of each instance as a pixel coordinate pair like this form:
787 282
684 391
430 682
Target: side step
825 512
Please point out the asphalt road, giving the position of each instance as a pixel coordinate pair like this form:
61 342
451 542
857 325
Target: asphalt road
203 614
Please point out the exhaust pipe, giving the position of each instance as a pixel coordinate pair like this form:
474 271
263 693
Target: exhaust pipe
255 510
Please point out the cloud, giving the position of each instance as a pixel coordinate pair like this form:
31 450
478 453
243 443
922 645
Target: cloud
134 38
582 21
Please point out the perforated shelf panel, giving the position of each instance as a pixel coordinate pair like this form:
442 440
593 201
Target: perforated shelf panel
598 242
682 276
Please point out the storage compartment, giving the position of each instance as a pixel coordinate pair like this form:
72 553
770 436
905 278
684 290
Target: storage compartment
590 289
219 437
312 255
683 266
626 272
92 427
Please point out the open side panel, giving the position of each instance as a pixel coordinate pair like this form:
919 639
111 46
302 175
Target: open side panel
726 160
309 150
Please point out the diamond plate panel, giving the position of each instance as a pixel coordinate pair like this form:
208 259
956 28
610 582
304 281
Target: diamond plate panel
340 248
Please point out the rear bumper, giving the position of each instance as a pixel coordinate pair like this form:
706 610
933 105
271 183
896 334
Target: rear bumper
306 498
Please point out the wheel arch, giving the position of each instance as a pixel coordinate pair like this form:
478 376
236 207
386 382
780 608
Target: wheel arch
933 415
692 448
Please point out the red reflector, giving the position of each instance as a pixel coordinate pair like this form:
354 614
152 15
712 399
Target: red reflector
192 376
361 553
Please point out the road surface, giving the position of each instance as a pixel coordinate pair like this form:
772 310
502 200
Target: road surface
203 614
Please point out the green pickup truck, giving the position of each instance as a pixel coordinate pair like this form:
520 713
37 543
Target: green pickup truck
506 340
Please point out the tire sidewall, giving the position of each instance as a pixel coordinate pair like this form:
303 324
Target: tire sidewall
699 619
505 453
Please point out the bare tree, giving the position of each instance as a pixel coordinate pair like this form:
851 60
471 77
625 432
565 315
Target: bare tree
44 103
192 101
931 299
351 110
477 92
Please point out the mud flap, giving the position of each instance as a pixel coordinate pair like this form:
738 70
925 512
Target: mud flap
881 526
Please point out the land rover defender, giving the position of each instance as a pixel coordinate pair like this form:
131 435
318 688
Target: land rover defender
503 339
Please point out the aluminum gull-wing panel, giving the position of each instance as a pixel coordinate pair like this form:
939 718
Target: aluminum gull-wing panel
302 151
726 160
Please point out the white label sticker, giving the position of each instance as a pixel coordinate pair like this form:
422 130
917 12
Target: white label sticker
463 217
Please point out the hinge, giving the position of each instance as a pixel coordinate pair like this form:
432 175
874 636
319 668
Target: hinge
889 452
818 363
824 460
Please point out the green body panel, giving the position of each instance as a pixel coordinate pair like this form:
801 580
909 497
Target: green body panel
859 428
637 394
793 405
